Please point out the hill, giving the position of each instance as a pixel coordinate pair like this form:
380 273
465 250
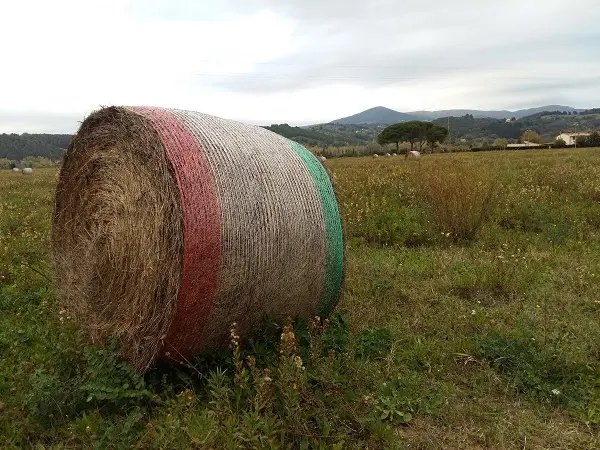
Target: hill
328 134
387 116
480 114
547 124
342 132
18 146
377 115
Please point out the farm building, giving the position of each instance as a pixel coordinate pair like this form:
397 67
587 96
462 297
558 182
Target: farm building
524 144
571 138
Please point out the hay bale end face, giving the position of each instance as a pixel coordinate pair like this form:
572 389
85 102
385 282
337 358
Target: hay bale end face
169 225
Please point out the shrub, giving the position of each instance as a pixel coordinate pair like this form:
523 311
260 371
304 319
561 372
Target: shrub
581 141
37 162
458 199
560 143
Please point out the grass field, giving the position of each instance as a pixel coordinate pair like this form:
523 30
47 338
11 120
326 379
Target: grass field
470 319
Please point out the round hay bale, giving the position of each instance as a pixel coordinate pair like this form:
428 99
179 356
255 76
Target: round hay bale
170 225
375 155
322 158
27 171
16 169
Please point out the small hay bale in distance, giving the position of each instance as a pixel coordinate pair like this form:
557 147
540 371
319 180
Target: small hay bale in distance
16 169
27 171
170 225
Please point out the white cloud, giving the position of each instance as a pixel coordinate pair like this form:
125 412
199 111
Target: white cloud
296 61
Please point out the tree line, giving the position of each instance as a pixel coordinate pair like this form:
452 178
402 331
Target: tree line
415 132
16 147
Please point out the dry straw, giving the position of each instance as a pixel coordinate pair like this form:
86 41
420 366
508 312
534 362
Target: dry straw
169 225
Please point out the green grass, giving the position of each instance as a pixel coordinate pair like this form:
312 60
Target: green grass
490 339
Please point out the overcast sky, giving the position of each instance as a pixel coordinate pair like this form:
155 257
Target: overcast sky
294 61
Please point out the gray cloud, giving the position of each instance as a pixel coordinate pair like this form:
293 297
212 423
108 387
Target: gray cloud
392 43
467 53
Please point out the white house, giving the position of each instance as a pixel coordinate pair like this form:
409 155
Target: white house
570 138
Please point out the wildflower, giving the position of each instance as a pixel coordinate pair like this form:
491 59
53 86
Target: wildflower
472 311
537 306
555 391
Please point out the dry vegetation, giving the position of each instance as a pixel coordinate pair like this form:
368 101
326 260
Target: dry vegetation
469 320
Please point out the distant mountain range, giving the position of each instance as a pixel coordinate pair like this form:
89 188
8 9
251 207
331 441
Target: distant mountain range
467 125
387 116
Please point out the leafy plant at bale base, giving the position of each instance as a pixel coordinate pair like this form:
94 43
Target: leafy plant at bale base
110 380
336 336
374 342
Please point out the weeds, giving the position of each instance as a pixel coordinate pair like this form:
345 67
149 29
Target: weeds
380 373
459 200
